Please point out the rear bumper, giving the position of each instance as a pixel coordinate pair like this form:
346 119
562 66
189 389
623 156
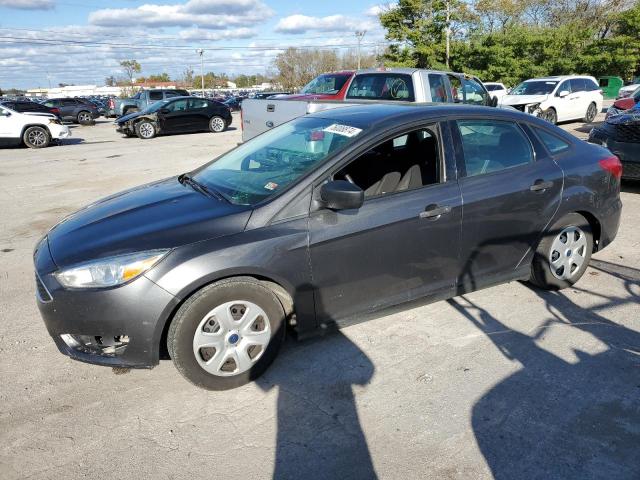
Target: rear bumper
627 152
100 320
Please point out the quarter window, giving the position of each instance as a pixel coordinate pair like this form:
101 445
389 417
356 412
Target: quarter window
553 143
493 145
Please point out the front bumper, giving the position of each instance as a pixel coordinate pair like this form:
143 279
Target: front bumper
114 327
59 131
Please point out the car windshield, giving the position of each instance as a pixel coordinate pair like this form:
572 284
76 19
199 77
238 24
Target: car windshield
154 107
535 87
327 84
492 88
267 164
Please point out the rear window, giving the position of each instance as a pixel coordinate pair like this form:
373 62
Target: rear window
382 86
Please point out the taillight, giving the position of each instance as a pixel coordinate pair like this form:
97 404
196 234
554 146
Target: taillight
612 165
55 111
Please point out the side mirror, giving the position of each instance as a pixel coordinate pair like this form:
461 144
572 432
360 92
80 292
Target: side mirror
563 94
493 101
341 195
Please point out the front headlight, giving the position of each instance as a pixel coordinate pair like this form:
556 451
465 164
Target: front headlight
109 272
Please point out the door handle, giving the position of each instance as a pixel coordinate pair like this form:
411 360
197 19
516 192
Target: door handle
540 186
435 211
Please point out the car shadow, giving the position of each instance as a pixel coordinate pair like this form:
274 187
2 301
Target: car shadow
319 434
630 186
559 418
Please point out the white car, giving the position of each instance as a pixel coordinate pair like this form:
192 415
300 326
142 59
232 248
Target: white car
34 129
496 90
558 99
626 91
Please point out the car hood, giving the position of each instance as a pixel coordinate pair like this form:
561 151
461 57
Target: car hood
131 116
163 214
523 99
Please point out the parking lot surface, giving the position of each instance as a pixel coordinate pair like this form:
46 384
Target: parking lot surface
508 382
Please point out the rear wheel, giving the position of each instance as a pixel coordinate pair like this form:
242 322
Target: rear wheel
145 130
217 124
84 118
36 137
563 254
592 111
227 333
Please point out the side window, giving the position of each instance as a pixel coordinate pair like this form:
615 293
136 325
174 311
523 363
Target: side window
198 104
456 88
177 106
50 103
155 96
554 144
406 162
578 85
437 87
69 102
171 93
591 85
493 145
474 93
564 86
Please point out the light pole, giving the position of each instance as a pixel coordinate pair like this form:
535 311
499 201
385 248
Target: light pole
200 52
359 35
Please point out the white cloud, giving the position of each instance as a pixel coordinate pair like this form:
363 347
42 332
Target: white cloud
201 34
28 4
333 23
214 14
376 10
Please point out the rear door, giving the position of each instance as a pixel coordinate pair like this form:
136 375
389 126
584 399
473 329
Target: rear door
68 108
580 98
403 243
510 192
198 114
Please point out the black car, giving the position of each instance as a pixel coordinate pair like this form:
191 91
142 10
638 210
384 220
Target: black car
621 135
75 110
176 115
234 103
316 223
27 106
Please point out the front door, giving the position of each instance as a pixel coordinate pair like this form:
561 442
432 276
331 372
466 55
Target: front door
176 118
509 197
402 243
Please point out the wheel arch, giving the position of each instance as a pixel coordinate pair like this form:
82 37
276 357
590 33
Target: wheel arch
24 129
277 286
596 228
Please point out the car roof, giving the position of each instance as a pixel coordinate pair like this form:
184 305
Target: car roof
558 78
370 114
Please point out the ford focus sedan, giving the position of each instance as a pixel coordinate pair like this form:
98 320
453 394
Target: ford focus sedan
316 223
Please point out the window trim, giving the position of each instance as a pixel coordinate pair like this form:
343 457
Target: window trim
436 128
461 166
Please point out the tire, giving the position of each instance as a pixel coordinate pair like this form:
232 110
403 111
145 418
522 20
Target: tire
146 130
592 111
553 256
84 118
242 348
550 115
36 137
217 124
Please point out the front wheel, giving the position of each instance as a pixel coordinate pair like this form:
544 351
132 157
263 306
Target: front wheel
563 254
36 137
217 124
550 116
227 333
145 130
592 111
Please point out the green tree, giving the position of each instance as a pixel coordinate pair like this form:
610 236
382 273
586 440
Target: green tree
130 67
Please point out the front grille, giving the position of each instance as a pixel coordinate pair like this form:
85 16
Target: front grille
41 291
628 133
631 170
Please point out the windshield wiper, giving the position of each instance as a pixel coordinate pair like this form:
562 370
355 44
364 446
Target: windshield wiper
187 179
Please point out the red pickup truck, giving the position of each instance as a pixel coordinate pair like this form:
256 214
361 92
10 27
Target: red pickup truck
328 86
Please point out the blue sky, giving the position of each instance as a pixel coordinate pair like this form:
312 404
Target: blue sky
75 41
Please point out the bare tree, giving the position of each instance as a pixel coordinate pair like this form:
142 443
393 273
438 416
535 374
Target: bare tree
130 67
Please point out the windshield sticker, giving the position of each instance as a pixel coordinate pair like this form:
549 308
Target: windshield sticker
344 130
271 186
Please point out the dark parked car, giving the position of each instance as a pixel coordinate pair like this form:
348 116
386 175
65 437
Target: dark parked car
178 115
233 103
621 135
75 110
26 107
316 222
